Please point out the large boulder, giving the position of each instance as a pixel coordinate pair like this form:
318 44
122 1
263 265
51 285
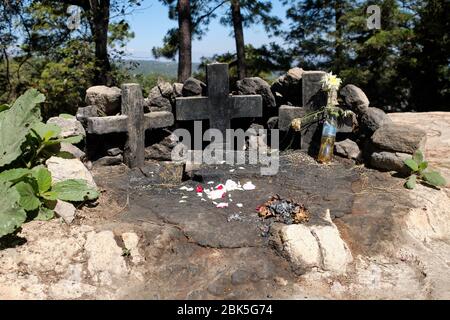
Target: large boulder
437 127
272 123
389 161
105 257
373 119
64 169
399 138
193 87
154 93
300 246
257 85
288 87
161 151
106 99
355 98
166 89
70 126
347 149
178 89
158 104
73 150
317 245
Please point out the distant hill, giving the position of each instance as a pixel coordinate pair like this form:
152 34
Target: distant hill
146 67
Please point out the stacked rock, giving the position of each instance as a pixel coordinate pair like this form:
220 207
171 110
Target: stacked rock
386 145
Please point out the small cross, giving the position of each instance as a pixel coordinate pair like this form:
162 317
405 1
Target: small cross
219 107
133 121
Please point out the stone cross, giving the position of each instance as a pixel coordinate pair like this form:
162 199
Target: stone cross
133 121
314 98
219 107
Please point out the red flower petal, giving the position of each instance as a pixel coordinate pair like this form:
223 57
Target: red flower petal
199 189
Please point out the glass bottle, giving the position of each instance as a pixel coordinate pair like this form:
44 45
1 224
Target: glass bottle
328 138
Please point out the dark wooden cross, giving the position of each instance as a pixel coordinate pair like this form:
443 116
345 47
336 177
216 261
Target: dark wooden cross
219 107
133 121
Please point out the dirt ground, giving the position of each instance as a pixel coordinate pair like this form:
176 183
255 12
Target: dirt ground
149 241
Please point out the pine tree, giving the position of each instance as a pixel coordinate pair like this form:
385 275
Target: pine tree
316 33
242 14
194 13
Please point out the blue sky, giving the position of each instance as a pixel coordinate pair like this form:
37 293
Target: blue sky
151 22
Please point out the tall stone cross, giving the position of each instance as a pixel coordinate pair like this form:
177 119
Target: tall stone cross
133 121
314 98
219 107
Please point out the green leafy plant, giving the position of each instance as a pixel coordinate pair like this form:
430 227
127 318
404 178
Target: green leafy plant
420 173
26 187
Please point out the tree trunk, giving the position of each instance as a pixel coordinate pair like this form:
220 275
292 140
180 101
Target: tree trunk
99 27
185 50
98 17
339 50
239 37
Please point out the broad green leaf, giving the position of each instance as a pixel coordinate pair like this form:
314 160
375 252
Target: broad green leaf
410 163
72 140
418 157
3 107
46 131
14 175
74 190
28 199
423 165
11 214
65 155
15 124
50 195
43 178
434 178
45 214
411 182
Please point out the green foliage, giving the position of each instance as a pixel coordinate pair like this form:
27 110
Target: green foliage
254 12
402 66
265 62
26 187
53 59
73 190
15 124
12 216
202 12
419 173
148 81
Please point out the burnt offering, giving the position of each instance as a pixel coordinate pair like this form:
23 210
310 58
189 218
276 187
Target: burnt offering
283 210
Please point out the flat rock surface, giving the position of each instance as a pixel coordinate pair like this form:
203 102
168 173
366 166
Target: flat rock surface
167 243
437 127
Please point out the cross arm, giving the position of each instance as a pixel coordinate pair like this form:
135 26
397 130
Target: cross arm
115 124
104 125
192 108
246 106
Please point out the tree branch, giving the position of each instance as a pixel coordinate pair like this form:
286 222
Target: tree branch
199 19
